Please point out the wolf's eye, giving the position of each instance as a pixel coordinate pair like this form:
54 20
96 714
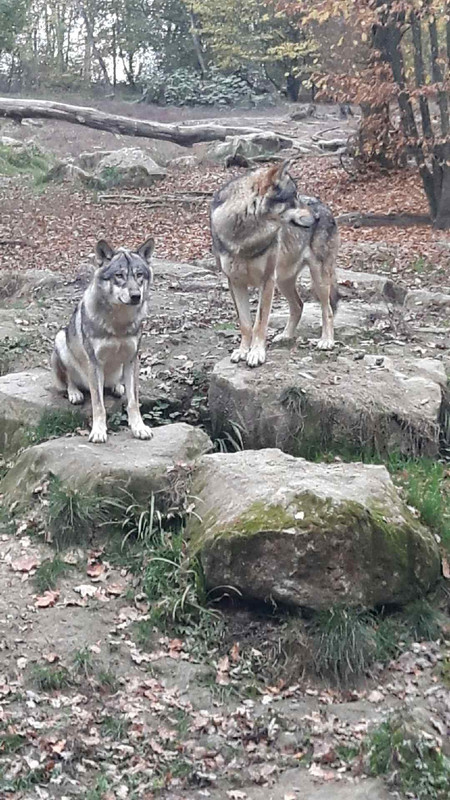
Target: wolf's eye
120 279
139 276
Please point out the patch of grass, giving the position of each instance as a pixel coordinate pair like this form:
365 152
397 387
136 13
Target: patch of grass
414 764
83 661
24 782
344 644
49 572
422 621
100 788
115 727
427 488
56 423
72 514
24 160
230 439
50 678
421 265
11 742
108 681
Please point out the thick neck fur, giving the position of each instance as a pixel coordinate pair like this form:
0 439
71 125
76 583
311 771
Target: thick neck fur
111 319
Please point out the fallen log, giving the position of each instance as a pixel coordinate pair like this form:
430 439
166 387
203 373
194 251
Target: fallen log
185 135
381 220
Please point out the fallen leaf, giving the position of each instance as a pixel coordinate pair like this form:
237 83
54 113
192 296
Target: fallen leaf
86 590
445 568
234 653
223 668
47 599
236 794
115 589
25 564
95 570
51 657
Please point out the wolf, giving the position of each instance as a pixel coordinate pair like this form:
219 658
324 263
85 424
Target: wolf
264 233
99 347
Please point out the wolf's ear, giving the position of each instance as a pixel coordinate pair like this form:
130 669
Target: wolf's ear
103 252
146 249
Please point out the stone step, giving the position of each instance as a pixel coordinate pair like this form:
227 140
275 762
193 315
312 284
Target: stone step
307 405
25 396
140 467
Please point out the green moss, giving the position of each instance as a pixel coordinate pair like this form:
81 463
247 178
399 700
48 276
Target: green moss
381 544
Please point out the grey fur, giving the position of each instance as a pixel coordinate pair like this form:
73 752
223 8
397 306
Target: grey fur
99 347
264 231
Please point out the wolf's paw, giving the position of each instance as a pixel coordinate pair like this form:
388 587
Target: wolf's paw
256 355
118 390
283 338
98 434
240 354
325 344
141 431
75 396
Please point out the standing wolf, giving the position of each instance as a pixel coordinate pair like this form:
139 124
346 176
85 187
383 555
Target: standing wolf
264 232
99 347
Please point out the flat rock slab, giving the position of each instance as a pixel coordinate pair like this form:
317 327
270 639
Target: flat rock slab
25 396
297 783
309 405
139 466
307 534
352 318
360 285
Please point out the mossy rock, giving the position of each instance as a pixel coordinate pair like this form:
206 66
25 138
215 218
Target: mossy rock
281 529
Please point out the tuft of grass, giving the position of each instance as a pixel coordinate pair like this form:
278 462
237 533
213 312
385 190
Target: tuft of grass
49 572
115 727
73 513
83 662
50 678
108 681
99 790
344 644
230 439
56 423
11 742
413 762
422 621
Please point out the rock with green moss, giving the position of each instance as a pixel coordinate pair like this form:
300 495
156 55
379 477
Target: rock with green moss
140 467
281 529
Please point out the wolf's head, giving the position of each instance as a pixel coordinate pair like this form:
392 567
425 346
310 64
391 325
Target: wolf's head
124 276
276 189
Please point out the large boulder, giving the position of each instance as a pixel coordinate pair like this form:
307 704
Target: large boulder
26 396
306 405
122 462
251 146
129 167
279 528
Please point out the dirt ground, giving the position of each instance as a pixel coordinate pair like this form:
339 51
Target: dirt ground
138 720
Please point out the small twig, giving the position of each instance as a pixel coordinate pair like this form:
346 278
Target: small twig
317 135
22 242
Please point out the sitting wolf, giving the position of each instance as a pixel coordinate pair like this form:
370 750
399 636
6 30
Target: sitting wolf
99 347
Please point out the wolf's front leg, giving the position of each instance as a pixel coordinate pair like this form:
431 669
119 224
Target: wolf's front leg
257 353
131 377
96 386
239 294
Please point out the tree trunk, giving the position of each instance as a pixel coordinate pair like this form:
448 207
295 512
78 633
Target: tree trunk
197 43
93 46
186 135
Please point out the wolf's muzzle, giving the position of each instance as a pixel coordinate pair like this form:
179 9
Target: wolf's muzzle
135 299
